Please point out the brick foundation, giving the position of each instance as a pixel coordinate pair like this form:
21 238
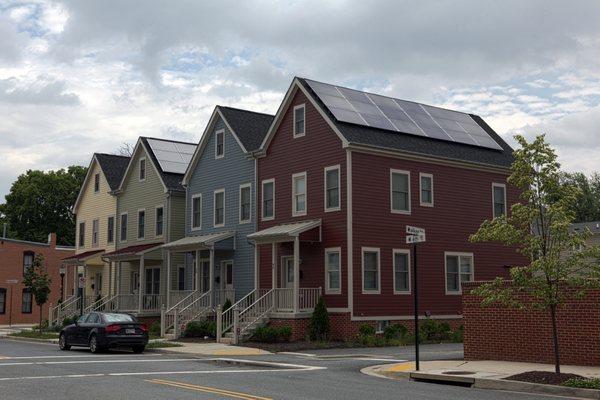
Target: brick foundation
501 333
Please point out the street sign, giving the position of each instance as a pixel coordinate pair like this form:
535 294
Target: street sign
12 281
415 238
81 282
413 230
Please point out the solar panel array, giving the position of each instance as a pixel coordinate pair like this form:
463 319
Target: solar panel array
367 109
173 157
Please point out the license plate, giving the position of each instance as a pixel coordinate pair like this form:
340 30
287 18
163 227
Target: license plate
130 331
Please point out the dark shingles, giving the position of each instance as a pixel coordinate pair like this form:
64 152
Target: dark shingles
364 135
113 167
249 126
593 226
171 180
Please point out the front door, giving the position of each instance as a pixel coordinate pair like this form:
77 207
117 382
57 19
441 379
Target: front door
287 273
134 282
204 275
227 271
152 281
97 284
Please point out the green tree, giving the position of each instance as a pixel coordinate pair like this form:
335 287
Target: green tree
319 325
42 202
37 281
539 226
587 205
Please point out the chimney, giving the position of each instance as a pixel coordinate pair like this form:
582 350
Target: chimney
52 239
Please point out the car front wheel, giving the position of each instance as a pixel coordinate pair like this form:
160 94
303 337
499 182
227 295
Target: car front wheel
62 342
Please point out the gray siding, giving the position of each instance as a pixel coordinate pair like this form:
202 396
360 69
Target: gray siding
229 172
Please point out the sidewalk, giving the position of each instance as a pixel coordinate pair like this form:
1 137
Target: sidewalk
5 329
211 349
487 375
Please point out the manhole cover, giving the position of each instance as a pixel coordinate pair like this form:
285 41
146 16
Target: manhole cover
458 373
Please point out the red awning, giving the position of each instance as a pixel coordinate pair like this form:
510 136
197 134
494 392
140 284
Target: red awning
83 256
135 250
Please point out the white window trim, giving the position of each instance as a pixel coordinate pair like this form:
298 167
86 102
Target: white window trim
403 172
222 190
140 168
362 264
421 202
458 254
192 227
156 220
339 206
97 220
114 228
503 186
97 175
221 132
262 199
407 252
303 107
121 240
240 220
328 250
79 245
137 230
294 212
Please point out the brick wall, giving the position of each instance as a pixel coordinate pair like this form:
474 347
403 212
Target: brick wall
501 333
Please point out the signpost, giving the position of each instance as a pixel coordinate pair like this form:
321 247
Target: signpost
11 282
415 235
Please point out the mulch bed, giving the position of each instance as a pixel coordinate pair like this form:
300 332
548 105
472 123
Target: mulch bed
195 340
544 377
296 346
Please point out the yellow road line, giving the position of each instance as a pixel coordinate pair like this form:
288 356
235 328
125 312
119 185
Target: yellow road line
208 389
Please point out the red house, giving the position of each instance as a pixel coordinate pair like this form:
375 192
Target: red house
341 174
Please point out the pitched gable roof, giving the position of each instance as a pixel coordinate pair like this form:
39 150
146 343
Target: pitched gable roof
249 129
405 143
113 166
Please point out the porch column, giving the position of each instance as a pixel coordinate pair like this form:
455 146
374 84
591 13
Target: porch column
142 280
296 272
211 275
273 266
168 252
197 271
110 277
256 282
118 278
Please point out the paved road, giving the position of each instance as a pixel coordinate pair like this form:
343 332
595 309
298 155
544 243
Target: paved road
40 371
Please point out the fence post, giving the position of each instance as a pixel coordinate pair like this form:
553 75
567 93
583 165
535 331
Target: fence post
162 321
236 324
176 327
219 323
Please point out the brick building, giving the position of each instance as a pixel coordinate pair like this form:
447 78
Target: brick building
15 257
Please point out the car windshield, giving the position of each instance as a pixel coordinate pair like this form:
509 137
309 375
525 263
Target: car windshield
118 318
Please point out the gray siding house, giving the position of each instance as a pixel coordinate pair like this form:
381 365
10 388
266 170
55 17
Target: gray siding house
220 208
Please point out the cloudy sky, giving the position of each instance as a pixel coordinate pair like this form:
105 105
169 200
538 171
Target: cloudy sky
83 76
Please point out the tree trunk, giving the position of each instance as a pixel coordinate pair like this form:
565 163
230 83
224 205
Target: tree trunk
555 339
40 320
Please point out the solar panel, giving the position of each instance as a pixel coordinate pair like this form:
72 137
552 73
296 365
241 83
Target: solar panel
173 157
376 111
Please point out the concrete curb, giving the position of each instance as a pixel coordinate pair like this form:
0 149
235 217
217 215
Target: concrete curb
483 383
31 340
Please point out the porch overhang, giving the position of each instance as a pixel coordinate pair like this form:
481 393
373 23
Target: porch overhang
288 232
82 258
132 252
202 242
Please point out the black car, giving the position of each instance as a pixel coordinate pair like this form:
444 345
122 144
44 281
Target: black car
101 331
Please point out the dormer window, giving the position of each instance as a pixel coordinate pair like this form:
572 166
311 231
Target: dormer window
142 169
96 183
219 144
299 121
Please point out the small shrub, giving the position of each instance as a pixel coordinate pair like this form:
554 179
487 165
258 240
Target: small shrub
319 322
285 333
200 329
226 305
458 335
591 383
265 334
69 320
154 329
395 332
433 331
366 330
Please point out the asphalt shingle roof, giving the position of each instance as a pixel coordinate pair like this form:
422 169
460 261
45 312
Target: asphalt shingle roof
249 126
364 135
113 167
593 226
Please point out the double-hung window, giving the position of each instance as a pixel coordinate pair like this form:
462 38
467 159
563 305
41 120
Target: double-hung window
400 191
299 194
95 229
333 281
2 300
219 144
219 208
96 183
426 188
401 264
28 258
27 302
141 224
332 188
299 120
142 169
245 202
158 221
81 234
181 278
196 211
370 270
110 233
459 268
499 199
123 228
268 199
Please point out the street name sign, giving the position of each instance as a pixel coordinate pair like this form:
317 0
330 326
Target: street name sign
415 238
413 230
